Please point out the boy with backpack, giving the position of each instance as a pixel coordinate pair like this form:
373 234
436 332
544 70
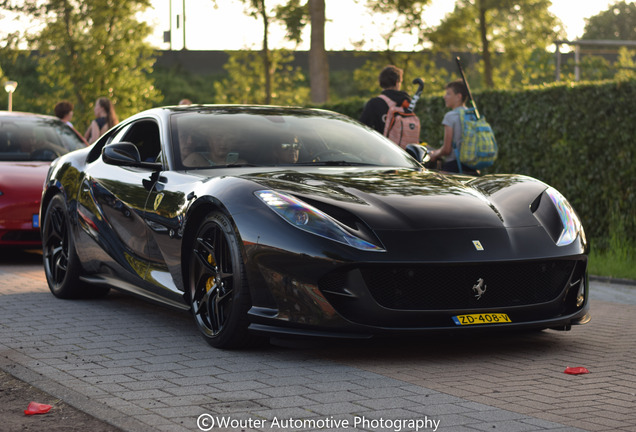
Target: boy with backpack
455 98
392 102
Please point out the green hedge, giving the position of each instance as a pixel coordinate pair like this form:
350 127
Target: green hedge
581 139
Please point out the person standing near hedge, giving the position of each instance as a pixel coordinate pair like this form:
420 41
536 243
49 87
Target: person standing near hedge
455 98
64 111
375 110
105 118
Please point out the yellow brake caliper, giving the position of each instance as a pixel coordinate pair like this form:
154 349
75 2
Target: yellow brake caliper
209 284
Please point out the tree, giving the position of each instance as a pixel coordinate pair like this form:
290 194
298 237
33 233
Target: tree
93 48
504 32
3 78
22 66
249 82
616 23
318 63
625 65
245 83
295 15
176 83
407 14
405 17
258 10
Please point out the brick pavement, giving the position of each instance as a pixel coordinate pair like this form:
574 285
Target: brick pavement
142 367
527 376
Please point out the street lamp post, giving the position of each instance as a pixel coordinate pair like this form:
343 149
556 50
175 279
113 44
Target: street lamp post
10 87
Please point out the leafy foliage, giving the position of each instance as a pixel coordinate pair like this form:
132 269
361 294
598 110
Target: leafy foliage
176 84
512 29
408 13
245 83
618 22
23 68
93 48
295 16
626 65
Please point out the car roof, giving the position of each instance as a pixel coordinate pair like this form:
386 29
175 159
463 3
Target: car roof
27 115
252 109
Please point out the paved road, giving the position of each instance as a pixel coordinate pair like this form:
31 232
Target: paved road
143 368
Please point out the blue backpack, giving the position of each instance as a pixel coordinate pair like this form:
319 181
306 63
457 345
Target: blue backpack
479 146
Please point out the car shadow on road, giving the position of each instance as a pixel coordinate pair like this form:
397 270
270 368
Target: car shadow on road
432 347
402 348
12 255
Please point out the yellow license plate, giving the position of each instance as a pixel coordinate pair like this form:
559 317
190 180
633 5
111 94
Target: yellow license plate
484 318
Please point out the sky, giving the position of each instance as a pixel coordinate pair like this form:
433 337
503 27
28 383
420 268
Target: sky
349 26
229 27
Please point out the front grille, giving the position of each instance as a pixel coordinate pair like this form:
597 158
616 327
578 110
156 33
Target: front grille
440 287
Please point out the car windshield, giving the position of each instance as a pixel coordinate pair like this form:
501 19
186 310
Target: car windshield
32 138
278 137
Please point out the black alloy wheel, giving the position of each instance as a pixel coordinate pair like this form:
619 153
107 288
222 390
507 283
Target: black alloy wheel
61 265
218 289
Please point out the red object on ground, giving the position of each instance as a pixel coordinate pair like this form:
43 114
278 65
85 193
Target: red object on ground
37 408
575 370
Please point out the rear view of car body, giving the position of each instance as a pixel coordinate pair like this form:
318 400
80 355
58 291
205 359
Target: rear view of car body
28 143
20 192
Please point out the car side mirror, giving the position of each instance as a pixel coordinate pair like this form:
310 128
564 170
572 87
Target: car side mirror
417 152
126 154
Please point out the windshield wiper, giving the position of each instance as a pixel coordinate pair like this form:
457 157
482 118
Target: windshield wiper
234 165
335 163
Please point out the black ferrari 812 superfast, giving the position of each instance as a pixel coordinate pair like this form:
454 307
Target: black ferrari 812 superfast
268 220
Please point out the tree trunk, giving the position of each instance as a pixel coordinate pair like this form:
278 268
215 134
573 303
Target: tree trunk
265 53
485 45
318 63
73 55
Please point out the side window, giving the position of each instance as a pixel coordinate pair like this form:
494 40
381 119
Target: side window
145 135
106 139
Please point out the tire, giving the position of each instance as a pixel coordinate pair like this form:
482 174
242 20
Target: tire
61 263
217 284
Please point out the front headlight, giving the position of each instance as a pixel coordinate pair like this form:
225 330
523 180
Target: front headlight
571 225
307 218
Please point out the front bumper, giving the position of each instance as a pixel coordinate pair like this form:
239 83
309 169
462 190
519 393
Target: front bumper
360 300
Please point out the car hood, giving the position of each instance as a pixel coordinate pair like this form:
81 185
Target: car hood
25 177
412 200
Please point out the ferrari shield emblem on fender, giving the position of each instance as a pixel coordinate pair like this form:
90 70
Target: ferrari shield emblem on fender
158 199
478 245
479 288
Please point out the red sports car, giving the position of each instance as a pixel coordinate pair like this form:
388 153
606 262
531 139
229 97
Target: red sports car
28 144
